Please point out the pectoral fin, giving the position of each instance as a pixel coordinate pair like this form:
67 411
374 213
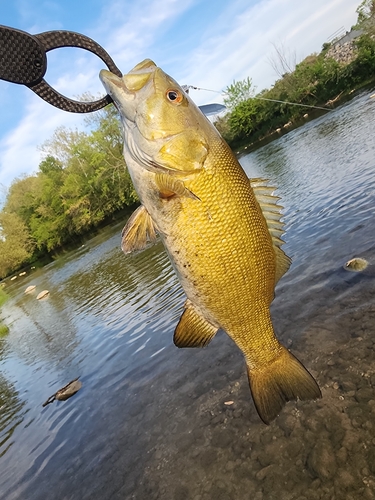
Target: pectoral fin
139 230
193 330
268 203
169 187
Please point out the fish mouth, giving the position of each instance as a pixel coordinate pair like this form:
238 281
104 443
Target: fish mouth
125 87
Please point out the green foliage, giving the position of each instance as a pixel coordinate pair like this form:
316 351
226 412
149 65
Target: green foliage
316 81
4 330
81 182
3 297
15 243
366 14
238 92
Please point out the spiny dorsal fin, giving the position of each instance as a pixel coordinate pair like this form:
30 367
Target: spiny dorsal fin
138 231
192 329
268 203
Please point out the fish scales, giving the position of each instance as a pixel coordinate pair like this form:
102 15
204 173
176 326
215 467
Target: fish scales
221 231
224 245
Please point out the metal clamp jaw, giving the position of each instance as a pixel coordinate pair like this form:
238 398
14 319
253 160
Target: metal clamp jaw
23 61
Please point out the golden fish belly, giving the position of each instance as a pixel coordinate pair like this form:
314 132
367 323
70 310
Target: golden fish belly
222 251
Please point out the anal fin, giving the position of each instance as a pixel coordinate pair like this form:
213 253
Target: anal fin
138 231
193 330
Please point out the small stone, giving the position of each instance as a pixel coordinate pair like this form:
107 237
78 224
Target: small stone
322 461
312 424
344 479
364 394
342 455
230 466
42 295
356 423
294 448
266 471
287 423
346 355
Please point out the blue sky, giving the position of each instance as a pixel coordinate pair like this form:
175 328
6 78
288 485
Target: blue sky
199 42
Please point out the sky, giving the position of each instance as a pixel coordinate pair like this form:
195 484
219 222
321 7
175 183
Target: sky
205 43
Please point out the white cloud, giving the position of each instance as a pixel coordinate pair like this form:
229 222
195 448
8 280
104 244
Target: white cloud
245 51
19 149
128 31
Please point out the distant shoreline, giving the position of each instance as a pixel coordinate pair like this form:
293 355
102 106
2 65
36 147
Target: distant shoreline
246 147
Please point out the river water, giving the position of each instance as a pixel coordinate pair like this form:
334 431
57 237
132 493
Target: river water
150 421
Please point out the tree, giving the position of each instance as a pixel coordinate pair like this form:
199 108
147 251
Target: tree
282 60
238 92
366 13
22 197
15 243
366 17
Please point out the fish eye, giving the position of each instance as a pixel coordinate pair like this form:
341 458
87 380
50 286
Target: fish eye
174 96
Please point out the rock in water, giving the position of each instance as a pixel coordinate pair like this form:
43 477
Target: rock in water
356 265
65 392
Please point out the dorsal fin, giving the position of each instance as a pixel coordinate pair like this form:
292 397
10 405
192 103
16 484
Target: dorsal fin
139 230
268 203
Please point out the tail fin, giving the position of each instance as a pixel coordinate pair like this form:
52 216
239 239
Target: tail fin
283 380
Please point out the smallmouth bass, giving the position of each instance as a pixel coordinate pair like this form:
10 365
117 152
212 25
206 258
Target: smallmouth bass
221 230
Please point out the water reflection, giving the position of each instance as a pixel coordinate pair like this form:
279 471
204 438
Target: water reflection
150 420
11 414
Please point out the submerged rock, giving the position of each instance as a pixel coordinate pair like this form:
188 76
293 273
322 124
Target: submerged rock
43 294
30 288
321 461
65 392
356 265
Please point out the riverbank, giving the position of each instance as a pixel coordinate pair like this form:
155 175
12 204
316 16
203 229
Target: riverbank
319 80
3 298
245 147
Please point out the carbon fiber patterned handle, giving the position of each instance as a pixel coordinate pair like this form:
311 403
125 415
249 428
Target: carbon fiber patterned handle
47 93
23 60
57 39
22 57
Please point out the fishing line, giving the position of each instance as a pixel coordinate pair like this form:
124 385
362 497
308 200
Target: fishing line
262 98
292 103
